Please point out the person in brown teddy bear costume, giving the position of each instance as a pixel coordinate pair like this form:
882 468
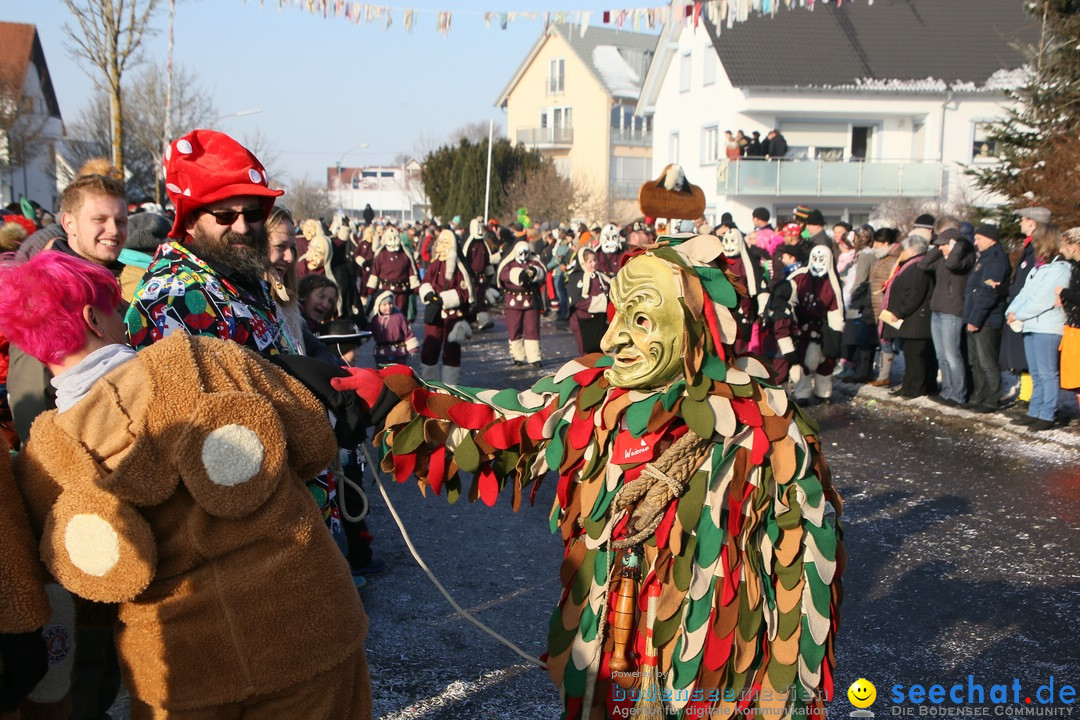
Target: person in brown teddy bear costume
170 482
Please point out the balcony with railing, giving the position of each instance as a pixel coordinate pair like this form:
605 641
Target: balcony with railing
823 178
546 137
634 137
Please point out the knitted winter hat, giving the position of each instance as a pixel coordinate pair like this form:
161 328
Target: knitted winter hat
814 217
147 230
205 166
761 214
924 221
990 231
801 212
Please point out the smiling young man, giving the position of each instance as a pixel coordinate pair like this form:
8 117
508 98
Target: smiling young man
210 279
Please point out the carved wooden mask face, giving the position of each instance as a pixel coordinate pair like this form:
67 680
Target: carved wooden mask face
647 334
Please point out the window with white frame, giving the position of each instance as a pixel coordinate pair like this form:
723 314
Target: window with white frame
673 147
710 144
684 72
708 66
556 76
983 146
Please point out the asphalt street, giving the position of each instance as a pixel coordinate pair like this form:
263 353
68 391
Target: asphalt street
963 540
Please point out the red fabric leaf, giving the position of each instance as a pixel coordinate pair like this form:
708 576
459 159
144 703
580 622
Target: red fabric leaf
487 485
760 446
395 369
437 468
506 434
717 650
730 588
663 530
714 327
404 466
827 679
471 416
580 431
588 376
365 383
747 412
534 426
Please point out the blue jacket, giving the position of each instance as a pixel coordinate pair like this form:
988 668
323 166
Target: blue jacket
984 305
1034 306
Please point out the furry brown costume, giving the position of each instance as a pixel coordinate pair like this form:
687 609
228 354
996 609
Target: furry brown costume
174 488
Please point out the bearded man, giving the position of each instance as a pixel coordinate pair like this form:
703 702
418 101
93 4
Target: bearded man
209 279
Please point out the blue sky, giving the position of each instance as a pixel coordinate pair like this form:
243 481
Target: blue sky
326 85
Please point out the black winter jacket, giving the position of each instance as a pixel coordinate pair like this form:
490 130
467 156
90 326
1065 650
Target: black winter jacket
909 300
984 304
950 276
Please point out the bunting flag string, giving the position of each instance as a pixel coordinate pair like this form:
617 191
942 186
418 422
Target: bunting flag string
717 12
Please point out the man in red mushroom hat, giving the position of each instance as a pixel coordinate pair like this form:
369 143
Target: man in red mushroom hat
209 279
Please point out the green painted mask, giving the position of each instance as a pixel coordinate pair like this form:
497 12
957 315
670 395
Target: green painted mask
647 335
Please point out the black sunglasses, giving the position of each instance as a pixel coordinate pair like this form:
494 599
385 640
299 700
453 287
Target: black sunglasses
228 217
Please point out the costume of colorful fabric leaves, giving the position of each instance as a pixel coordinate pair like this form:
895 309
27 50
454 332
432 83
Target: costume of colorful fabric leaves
747 558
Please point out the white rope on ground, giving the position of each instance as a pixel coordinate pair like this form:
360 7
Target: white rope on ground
431 576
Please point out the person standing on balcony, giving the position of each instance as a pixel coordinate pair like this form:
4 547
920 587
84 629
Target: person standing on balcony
754 148
775 145
731 146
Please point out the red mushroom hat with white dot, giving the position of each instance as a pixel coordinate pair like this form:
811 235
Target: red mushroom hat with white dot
206 166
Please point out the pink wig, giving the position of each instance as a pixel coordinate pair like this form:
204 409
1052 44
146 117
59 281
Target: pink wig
768 240
42 301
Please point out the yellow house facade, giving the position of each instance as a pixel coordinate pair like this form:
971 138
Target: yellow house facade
572 98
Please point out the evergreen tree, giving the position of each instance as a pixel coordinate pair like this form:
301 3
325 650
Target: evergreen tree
454 175
1038 141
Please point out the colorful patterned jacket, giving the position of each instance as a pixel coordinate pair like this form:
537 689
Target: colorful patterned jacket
745 563
180 291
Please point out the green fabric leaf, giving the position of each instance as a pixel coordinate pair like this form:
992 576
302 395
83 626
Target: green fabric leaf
824 538
806 424
699 388
594 528
579 587
467 455
505 463
718 286
819 591
715 368
544 385
749 619
672 395
791 519
689 509
683 567
637 415
789 575
811 486
685 672
573 679
453 489
591 395
554 452
508 400
699 416
559 638
664 630
780 675
742 391
600 567
810 651
603 502
698 611
605 362
709 540
670 255
590 623
789 623
594 464
553 519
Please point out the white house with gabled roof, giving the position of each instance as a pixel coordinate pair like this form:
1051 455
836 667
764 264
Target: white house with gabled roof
875 102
